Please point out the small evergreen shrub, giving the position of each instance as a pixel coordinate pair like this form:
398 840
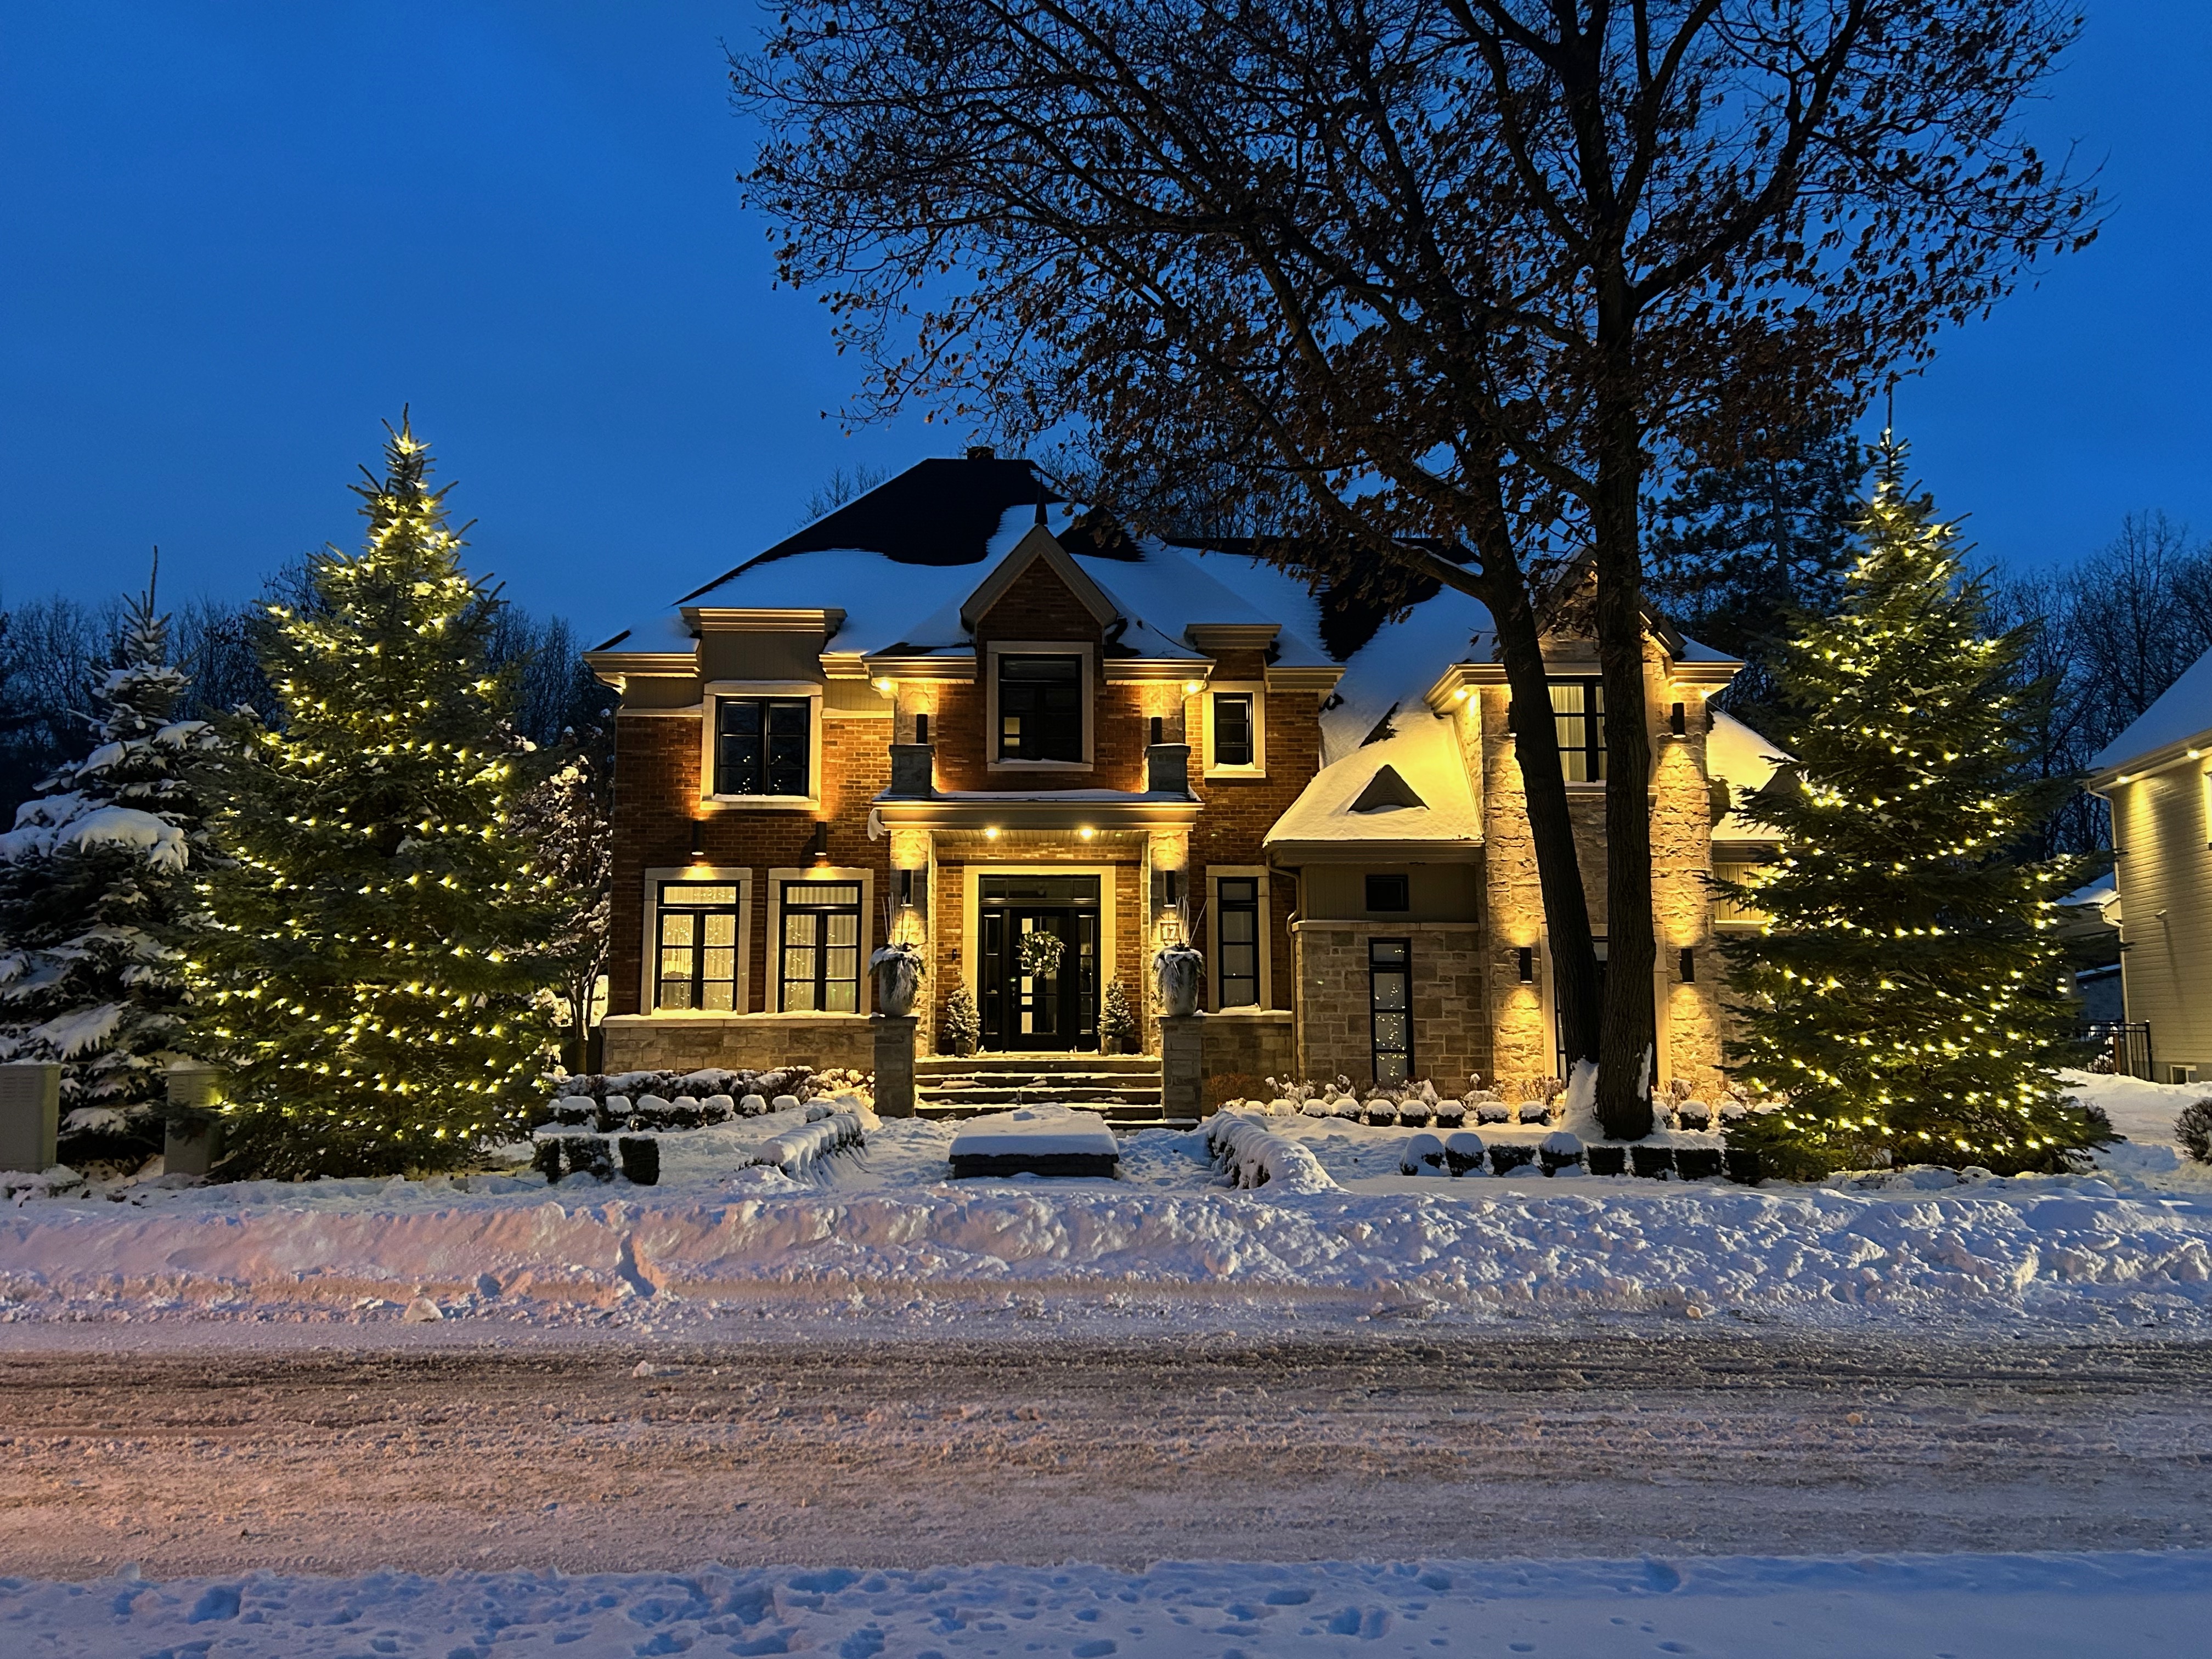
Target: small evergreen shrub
2192 1130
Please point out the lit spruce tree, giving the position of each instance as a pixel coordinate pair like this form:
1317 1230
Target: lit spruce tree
1904 994
373 975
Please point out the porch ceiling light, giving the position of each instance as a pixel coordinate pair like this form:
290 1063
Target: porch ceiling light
1086 832
990 832
1192 688
887 686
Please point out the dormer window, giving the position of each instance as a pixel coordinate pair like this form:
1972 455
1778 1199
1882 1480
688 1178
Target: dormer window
1040 707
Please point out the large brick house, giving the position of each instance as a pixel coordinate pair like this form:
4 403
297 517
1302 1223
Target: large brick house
959 711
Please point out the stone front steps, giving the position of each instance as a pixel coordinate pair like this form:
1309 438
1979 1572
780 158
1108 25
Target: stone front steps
1124 1088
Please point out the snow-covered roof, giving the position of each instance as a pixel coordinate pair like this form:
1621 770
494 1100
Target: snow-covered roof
1747 763
1397 666
2182 716
1409 787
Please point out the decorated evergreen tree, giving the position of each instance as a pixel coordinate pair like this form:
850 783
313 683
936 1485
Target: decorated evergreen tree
97 899
1904 992
373 977
964 1026
1117 1021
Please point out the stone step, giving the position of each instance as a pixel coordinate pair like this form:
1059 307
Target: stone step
941 1065
1035 1096
1123 1117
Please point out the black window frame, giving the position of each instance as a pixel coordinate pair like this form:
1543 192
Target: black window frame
1378 969
1377 883
1580 731
820 911
729 753
696 981
1250 702
1041 729
1244 902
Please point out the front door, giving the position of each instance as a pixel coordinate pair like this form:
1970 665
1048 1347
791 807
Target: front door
1039 966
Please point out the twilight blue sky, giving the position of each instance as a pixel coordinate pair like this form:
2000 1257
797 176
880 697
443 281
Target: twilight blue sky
236 233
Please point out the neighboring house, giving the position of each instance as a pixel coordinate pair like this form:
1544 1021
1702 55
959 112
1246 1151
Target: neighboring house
2158 776
961 712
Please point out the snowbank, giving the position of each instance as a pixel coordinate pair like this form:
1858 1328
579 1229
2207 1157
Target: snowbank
883 1224
1964 1607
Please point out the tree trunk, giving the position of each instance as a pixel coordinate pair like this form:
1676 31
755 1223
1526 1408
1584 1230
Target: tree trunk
1503 590
1628 1041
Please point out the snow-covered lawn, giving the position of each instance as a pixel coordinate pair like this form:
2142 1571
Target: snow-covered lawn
883 1230
1958 1607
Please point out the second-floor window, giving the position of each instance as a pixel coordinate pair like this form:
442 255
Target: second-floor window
761 746
1232 729
1040 708
1578 716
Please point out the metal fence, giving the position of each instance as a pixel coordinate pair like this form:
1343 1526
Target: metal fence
2125 1043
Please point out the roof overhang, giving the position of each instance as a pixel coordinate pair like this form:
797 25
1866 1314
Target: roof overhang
750 619
2196 747
1214 638
618 668
1321 678
1457 850
1188 670
980 810
958 665
1460 681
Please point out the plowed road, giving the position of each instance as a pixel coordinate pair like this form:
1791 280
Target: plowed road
912 1452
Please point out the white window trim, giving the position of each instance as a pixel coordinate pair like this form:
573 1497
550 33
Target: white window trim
648 991
998 648
1238 873
710 717
1257 691
772 959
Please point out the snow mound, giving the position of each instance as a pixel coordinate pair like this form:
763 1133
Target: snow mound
1253 1155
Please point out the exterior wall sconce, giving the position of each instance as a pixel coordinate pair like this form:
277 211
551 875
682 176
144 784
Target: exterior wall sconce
906 889
1160 728
1678 720
1525 960
698 838
1171 877
819 849
1689 966
921 728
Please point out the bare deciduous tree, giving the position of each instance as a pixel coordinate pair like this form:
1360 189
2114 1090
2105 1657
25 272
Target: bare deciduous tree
1419 275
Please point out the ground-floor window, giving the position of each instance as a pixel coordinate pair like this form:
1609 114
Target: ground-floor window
697 946
1390 1007
1236 924
821 947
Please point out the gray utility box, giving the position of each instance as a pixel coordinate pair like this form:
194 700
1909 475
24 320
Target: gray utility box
194 1140
30 1116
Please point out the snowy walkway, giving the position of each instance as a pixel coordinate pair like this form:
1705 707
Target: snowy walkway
1973 1608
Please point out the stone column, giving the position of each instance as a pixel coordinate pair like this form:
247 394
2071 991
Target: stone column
30 1116
1182 1065
894 1035
194 1139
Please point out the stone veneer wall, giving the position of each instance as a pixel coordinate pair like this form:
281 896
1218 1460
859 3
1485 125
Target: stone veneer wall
638 1043
1451 1023
1243 1050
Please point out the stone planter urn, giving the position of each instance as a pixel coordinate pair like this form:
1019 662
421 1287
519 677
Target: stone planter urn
898 971
1178 976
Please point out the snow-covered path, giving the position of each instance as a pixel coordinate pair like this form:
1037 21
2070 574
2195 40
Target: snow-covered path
1042 1446
2116 1605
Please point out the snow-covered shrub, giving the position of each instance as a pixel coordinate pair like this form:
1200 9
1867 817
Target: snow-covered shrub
1493 1111
784 1103
1422 1154
1464 1152
1535 1111
1318 1108
1505 1158
1382 1111
796 1151
1414 1113
1693 1115
1697 1163
1251 1154
1450 1114
753 1105
2192 1130
1560 1150
640 1159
